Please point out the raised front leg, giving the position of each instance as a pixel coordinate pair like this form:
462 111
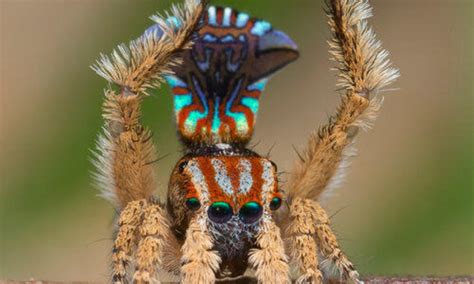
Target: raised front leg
269 259
364 70
199 261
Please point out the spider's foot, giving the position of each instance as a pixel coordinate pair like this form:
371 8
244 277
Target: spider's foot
313 277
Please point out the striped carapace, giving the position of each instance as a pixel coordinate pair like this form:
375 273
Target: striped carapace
236 188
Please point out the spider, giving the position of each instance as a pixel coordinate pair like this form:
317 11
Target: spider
226 213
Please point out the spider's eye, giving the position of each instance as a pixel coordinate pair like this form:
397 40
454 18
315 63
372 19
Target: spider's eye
275 203
182 166
274 166
250 212
193 203
220 212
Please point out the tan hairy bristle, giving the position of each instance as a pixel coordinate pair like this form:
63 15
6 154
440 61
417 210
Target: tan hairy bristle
364 70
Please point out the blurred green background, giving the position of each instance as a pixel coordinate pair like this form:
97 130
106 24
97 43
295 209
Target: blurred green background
405 208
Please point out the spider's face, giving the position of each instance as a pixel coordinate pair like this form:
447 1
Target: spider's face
228 188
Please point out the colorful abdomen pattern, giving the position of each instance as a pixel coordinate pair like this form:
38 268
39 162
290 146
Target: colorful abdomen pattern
217 89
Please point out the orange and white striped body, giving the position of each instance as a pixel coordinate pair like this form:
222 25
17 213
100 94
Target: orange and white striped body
235 188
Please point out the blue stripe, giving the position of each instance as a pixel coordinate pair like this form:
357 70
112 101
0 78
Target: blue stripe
227 38
239 118
260 28
258 86
242 20
193 117
209 38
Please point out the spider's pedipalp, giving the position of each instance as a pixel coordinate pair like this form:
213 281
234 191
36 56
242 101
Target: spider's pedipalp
199 261
269 259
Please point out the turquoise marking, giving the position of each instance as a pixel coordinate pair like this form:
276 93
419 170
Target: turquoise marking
227 14
240 121
192 119
174 81
212 16
194 116
258 86
216 121
252 103
242 20
181 101
260 28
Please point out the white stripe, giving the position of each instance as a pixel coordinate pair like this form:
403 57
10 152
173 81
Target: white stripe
212 16
221 176
268 181
246 179
227 14
198 180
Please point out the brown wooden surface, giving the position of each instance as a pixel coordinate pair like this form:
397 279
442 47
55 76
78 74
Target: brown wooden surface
375 280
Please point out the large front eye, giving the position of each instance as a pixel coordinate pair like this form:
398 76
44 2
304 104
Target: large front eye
250 212
220 212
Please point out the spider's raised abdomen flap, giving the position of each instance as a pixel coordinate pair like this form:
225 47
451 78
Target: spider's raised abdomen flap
217 88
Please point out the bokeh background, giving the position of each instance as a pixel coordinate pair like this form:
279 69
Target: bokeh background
405 208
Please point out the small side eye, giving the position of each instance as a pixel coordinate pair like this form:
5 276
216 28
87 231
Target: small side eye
220 212
250 212
274 166
193 204
182 166
275 203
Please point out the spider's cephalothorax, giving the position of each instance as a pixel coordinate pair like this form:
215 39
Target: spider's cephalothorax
235 188
225 214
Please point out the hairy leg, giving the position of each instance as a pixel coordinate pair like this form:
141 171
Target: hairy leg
269 259
364 70
309 229
199 262
154 233
125 240
330 249
301 243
